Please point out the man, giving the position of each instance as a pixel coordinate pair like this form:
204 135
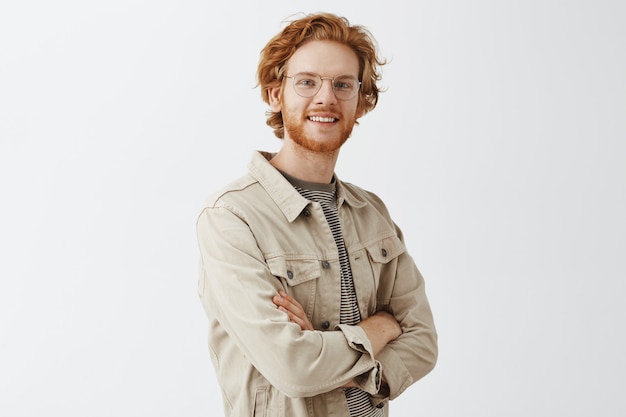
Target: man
315 308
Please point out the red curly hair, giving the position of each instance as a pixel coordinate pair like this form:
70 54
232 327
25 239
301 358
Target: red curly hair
320 26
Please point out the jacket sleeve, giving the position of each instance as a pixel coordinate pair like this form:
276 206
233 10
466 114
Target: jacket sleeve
236 289
414 354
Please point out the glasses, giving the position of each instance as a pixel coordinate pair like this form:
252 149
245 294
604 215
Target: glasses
307 84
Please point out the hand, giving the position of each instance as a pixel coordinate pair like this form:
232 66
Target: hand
294 310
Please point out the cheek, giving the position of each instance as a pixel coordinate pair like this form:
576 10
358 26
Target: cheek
359 112
351 107
353 111
293 108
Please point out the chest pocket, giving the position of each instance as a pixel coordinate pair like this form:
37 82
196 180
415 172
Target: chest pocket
384 250
383 255
299 278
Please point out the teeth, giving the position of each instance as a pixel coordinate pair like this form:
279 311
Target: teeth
322 119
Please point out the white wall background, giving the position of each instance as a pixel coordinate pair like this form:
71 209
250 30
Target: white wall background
499 147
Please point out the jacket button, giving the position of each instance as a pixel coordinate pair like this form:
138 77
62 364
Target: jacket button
326 325
325 264
289 274
380 405
306 213
384 252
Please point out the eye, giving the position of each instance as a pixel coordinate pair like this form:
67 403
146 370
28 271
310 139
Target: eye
344 84
306 82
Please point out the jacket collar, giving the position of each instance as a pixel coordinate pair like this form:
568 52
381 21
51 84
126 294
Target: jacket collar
347 195
290 202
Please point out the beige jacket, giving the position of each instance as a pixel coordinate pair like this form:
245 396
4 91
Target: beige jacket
258 236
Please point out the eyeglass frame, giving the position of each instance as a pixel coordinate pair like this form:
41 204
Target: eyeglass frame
332 84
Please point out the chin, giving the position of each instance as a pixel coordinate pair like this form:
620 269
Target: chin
322 143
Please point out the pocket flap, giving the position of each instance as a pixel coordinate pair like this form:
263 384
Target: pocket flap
294 271
386 249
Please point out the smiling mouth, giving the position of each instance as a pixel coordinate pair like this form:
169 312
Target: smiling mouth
322 119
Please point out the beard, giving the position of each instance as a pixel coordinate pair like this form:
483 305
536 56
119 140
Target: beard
295 128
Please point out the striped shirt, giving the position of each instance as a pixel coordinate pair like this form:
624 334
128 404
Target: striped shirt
358 400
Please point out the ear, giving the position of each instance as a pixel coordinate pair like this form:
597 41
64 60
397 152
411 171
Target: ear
274 96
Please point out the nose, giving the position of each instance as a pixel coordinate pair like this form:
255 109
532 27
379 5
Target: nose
326 94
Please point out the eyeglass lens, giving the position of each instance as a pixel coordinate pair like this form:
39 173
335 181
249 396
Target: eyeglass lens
307 85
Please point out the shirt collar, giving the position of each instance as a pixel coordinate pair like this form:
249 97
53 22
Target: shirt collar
290 202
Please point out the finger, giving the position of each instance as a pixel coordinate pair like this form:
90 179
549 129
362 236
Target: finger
293 309
282 301
295 319
287 297
300 319
289 303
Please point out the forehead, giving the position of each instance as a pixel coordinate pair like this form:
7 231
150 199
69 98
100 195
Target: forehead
327 58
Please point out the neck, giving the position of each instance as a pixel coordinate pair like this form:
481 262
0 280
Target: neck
304 164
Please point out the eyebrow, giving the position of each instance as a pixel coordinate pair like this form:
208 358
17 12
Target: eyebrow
336 76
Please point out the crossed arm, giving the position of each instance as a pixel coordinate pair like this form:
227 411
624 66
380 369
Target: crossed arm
380 328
